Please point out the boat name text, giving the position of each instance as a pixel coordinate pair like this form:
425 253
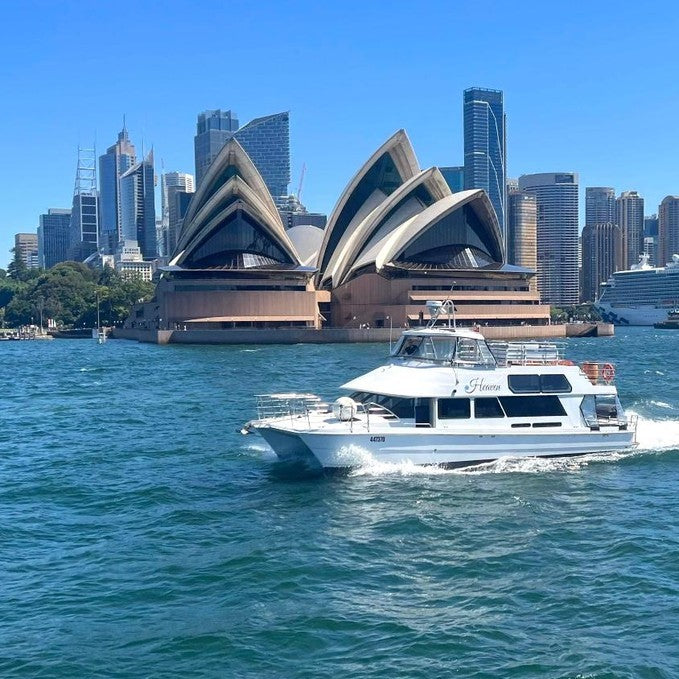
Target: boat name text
479 384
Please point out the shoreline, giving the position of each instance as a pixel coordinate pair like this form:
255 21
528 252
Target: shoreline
348 335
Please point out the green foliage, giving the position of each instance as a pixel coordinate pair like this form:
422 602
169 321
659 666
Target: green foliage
579 312
17 269
68 294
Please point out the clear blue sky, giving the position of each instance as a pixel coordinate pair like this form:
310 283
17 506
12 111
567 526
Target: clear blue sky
589 86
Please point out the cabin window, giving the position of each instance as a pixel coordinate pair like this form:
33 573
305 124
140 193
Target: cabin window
537 384
487 407
454 409
555 384
401 407
524 384
532 406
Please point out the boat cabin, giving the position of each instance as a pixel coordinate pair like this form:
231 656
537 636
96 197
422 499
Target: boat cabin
457 347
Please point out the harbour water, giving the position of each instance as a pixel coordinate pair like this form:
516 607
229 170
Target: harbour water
143 536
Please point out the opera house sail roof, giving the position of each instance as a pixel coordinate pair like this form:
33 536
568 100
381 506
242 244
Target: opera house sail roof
232 222
396 237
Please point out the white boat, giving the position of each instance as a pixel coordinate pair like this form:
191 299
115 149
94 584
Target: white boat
448 398
642 295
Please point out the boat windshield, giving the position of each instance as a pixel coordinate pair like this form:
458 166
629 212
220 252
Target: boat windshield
458 350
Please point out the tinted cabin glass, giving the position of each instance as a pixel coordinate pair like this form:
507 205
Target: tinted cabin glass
535 384
532 406
454 408
554 384
487 407
524 384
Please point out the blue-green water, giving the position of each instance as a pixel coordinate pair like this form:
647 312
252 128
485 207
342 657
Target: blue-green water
142 536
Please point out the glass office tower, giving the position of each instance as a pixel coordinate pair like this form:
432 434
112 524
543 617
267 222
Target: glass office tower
485 147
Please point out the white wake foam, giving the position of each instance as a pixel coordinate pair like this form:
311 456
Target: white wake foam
657 434
652 436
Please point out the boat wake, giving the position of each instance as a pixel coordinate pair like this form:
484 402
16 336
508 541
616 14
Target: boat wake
657 434
653 436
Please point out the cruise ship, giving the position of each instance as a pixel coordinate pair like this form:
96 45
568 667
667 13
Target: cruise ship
643 295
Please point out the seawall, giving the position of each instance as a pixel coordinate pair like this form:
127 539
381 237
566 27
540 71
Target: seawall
347 335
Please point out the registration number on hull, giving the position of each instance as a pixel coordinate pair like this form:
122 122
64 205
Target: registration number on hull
377 439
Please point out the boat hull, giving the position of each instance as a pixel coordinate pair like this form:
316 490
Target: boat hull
632 315
345 451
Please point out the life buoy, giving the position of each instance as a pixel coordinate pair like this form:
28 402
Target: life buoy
608 372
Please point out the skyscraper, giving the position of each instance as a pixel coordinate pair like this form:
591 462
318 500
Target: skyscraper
556 196
630 219
213 130
137 202
26 248
485 147
651 226
84 224
600 205
116 161
454 177
171 184
267 141
602 254
53 237
668 229
522 217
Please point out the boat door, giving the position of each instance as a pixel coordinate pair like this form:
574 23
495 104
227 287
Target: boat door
423 412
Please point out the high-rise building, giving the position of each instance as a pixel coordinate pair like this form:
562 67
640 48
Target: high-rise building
84 224
556 195
53 237
137 202
293 213
668 229
522 215
172 214
26 247
651 226
602 254
116 161
267 141
651 249
600 205
454 177
485 147
630 219
213 130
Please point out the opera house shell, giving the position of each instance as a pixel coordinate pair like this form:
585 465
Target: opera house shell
397 237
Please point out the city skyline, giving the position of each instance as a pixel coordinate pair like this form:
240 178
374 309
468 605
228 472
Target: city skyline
548 125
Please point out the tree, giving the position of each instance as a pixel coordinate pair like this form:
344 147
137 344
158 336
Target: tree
17 268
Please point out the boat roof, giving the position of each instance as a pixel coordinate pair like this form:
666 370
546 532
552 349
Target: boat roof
443 331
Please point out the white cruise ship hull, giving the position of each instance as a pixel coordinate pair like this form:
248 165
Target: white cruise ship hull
342 450
632 315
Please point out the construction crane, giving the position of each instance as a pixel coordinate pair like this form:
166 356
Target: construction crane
301 182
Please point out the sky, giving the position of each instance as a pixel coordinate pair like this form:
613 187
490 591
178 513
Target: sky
589 87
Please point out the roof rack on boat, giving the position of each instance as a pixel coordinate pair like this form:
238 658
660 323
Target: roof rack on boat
527 353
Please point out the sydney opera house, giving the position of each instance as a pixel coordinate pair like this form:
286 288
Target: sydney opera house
396 238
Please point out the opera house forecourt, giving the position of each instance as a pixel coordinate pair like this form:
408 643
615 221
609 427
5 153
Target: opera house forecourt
396 238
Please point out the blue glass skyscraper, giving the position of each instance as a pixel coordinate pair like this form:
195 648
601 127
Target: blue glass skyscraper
116 161
137 203
213 130
267 141
485 147
53 237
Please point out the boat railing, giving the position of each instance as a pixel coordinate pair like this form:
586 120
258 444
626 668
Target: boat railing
292 405
527 353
